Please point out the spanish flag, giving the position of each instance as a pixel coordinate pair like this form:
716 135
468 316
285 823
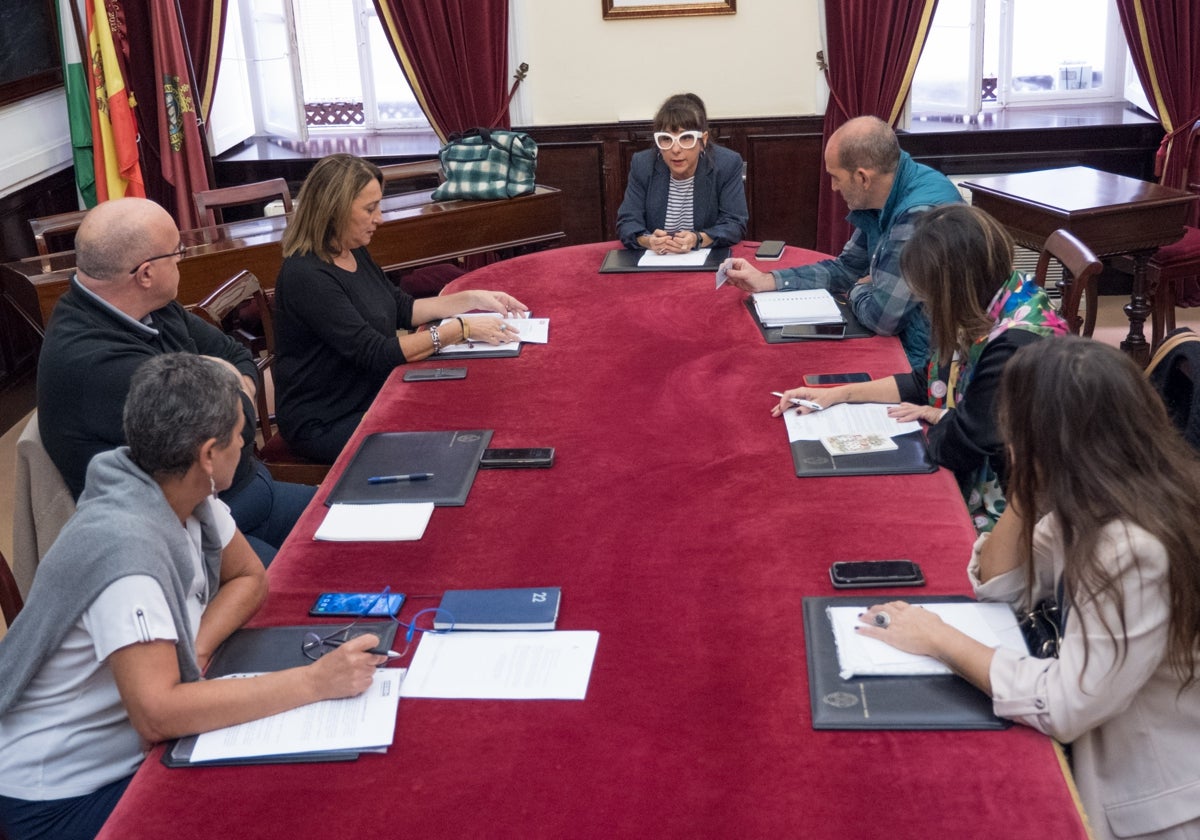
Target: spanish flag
114 130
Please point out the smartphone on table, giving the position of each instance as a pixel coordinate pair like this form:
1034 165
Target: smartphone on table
857 574
824 380
433 374
770 249
517 458
357 604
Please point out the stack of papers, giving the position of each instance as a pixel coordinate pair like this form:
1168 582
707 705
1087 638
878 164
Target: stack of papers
527 330
845 422
395 522
993 625
810 306
365 722
649 259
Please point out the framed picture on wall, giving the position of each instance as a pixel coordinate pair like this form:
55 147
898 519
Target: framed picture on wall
621 9
30 61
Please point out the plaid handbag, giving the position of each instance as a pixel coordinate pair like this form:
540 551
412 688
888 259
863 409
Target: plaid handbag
487 163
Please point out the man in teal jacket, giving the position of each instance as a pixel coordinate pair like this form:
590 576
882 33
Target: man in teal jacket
886 191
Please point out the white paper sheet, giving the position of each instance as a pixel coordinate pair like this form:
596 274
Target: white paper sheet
991 624
393 522
845 419
532 665
800 306
367 721
528 330
649 259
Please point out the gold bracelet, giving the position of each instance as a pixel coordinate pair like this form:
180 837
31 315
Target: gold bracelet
466 331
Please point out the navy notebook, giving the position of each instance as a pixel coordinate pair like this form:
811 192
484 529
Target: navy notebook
535 608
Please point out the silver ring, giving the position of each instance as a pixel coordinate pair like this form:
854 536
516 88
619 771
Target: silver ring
503 326
883 620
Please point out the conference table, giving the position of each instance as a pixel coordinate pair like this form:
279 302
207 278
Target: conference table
675 524
415 231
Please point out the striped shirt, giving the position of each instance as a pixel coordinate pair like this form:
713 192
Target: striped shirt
679 205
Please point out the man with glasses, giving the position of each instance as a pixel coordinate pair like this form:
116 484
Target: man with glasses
686 192
119 311
886 192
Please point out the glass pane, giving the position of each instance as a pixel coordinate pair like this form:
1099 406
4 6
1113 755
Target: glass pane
1058 45
396 105
947 81
328 50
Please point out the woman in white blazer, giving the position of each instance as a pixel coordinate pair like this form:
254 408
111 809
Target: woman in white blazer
1104 501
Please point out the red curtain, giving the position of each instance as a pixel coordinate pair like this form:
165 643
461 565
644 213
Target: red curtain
174 156
871 54
204 31
1164 39
455 55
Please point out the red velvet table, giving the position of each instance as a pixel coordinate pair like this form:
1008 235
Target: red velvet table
676 527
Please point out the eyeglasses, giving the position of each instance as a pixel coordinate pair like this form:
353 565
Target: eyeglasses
686 139
315 645
179 251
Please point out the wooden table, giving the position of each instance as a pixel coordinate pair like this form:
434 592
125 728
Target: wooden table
1111 214
675 524
415 231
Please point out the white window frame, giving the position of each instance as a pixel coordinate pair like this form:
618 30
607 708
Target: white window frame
1112 89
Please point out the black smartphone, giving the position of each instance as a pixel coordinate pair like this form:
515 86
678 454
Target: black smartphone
354 604
817 380
806 331
852 574
431 374
516 458
770 249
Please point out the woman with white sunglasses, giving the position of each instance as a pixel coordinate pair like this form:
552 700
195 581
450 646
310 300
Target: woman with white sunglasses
686 192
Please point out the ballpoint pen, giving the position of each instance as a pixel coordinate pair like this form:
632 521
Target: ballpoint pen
391 479
796 401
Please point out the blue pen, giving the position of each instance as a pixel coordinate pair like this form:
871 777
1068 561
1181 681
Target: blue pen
392 479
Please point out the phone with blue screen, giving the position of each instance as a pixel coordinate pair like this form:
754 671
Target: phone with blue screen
354 604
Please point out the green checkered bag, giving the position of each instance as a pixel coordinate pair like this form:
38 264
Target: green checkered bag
487 163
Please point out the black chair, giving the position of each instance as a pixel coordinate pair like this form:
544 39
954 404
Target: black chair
1173 372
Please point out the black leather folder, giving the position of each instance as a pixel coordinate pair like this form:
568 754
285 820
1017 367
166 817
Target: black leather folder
942 701
772 335
811 459
452 457
625 261
262 649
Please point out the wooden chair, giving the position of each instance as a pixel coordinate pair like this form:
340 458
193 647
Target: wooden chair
274 452
1080 269
57 226
1172 264
411 177
210 203
10 597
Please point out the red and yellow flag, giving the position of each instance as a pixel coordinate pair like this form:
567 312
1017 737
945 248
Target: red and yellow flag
114 129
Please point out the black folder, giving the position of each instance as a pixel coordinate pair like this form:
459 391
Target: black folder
940 701
811 459
452 457
263 649
499 351
772 335
625 261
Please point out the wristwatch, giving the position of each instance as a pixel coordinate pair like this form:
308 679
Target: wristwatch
699 239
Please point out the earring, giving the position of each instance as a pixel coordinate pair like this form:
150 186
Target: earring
212 483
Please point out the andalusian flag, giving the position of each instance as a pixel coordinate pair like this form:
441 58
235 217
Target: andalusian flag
114 130
79 112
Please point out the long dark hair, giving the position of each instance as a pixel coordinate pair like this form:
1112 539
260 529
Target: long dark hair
956 260
1090 442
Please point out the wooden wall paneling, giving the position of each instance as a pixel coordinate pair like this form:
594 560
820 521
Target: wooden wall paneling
578 170
785 173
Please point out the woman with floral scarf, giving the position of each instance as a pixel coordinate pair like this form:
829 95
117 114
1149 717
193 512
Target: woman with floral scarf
959 262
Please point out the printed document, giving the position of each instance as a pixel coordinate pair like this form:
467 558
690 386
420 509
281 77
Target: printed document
859 656
845 419
365 722
395 522
649 259
805 306
525 665
527 330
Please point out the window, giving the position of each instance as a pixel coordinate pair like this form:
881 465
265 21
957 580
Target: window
291 65
1002 53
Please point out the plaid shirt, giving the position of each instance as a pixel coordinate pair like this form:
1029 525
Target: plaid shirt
884 304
